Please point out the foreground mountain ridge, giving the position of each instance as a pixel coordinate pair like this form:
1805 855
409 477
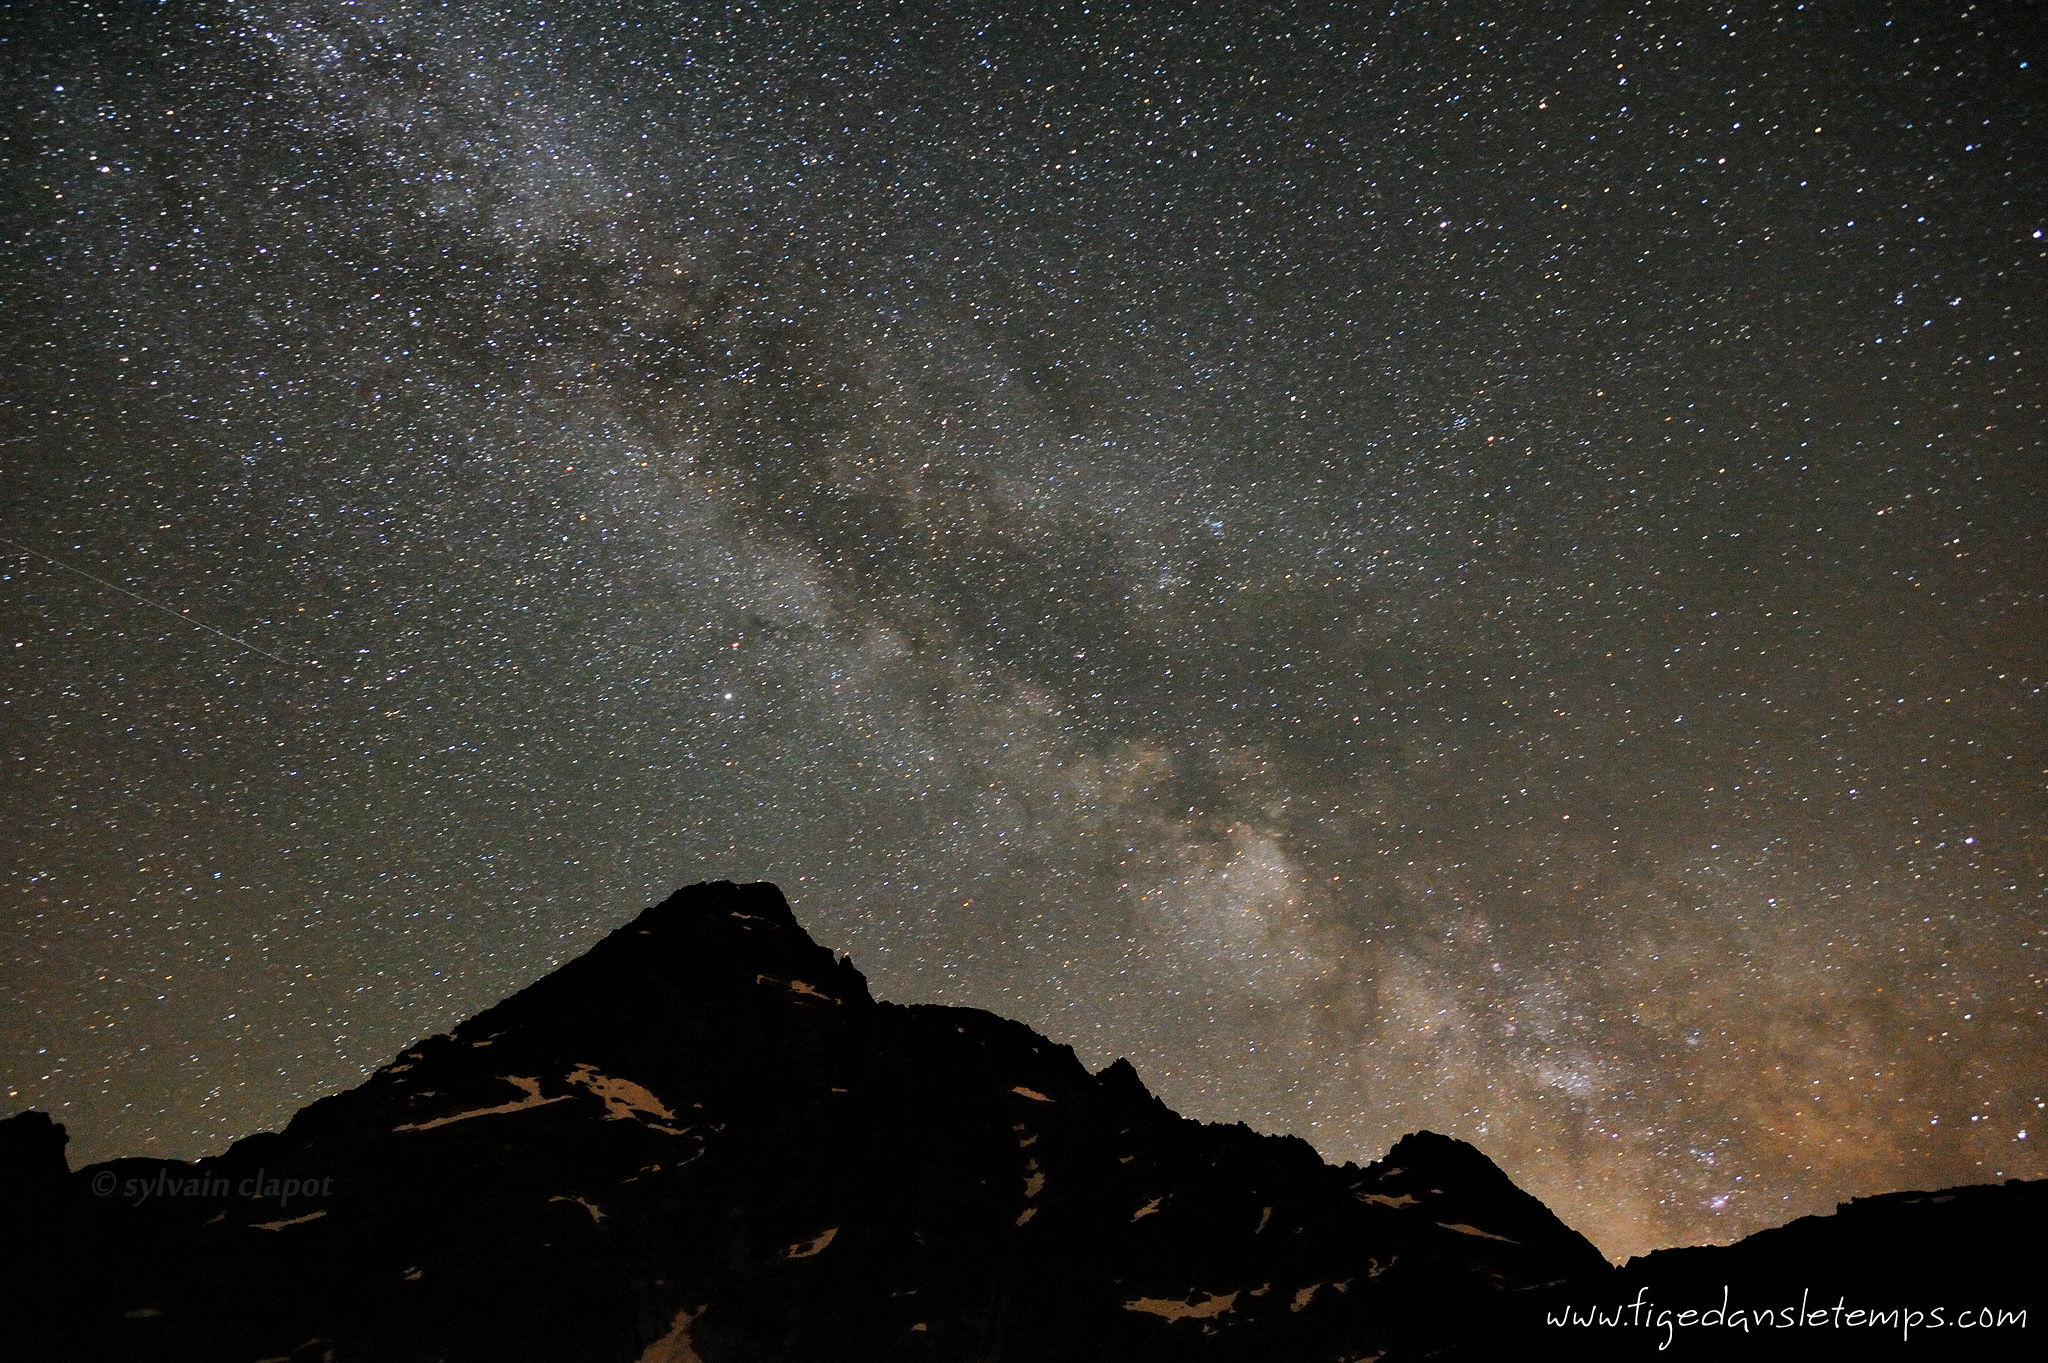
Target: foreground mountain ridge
703 1141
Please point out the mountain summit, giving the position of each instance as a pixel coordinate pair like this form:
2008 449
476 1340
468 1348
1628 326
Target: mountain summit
704 1140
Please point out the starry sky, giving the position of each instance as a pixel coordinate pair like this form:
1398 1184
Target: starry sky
1463 566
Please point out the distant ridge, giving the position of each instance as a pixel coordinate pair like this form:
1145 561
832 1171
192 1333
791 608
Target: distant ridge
704 1142
1912 1275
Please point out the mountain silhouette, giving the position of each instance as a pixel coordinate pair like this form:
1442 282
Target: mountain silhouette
703 1141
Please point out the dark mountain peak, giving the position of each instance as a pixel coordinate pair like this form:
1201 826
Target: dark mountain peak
1120 1083
1462 1187
711 942
703 1138
33 1171
1421 1147
1421 1156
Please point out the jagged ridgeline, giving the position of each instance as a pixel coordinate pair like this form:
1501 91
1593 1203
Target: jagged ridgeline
704 1140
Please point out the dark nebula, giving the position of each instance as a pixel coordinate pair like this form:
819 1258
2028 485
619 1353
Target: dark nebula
1476 568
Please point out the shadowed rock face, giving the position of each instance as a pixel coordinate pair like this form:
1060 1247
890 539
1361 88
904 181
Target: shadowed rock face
703 1140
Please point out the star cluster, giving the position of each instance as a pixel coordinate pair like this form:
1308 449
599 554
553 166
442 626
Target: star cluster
1441 566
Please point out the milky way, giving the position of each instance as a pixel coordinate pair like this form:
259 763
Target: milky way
1476 568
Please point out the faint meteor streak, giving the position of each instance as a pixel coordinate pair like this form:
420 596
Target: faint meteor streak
153 605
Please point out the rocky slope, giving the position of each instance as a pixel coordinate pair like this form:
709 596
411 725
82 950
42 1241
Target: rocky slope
704 1140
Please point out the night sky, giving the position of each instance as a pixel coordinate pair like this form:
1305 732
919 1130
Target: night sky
1476 567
